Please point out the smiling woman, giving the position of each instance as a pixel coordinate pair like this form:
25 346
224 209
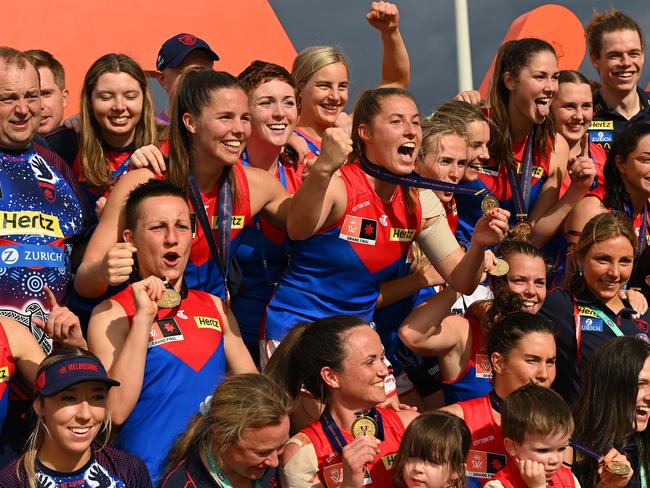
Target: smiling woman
73 425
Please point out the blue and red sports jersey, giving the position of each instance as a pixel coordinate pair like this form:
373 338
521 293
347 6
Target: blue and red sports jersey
451 210
202 272
312 143
42 212
185 362
339 270
7 370
475 380
494 177
115 156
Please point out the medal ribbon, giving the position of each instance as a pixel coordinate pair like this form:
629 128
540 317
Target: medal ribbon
521 187
121 169
589 451
611 324
219 476
417 181
643 240
334 434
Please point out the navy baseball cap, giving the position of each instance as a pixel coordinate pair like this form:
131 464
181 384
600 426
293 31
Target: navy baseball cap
175 49
70 371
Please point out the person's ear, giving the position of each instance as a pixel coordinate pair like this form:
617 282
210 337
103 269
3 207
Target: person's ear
190 123
511 447
64 95
509 81
127 235
497 361
329 377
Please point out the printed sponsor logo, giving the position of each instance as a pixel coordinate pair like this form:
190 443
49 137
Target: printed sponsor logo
163 331
602 125
588 324
484 465
207 323
4 374
586 312
601 136
389 460
401 235
236 222
31 256
358 229
29 222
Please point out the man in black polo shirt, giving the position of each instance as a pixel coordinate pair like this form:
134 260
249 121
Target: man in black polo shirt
616 51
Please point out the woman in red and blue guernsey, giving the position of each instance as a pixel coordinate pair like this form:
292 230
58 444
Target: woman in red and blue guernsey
263 250
460 341
210 127
528 160
521 347
167 344
351 231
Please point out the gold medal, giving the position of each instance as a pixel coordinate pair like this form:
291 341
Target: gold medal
170 298
617 468
489 203
521 231
500 268
364 426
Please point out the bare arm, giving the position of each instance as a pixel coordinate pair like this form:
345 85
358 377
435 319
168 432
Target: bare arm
321 198
429 330
268 196
24 348
549 212
92 278
395 68
393 291
237 356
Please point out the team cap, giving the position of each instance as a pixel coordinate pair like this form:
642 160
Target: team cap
71 371
175 49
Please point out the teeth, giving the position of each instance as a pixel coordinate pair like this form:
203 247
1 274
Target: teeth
542 101
232 143
410 145
80 430
643 409
121 118
277 126
529 304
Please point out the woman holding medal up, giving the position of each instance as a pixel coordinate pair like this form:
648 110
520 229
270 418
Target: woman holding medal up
460 341
528 160
351 231
353 442
590 310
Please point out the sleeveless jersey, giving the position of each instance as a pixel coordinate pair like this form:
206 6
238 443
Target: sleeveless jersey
475 380
451 210
7 370
339 270
41 213
263 254
185 362
330 461
312 144
494 177
510 478
202 273
487 454
116 158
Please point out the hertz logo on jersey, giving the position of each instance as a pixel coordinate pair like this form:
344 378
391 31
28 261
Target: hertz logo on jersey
28 222
236 222
4 374
402 235
207 323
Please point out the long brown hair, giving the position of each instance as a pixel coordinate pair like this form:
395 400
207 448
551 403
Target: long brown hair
511 58
193 92
94 161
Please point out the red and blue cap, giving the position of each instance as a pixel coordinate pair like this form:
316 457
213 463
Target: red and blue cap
67 372
175 49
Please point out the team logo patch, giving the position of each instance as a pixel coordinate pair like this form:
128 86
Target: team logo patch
483 366
358 229
484 465
207 323
601 125
187 39
333 475
45 177
164 331
4 374
401 235
28 222
643 337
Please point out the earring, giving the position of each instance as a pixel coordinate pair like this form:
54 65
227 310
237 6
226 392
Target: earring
579 270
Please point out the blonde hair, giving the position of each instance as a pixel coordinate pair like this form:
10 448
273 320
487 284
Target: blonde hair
313 58
243 401
35 441
94 162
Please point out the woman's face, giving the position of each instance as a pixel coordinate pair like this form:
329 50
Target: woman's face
606 267
363 371
117 103
643 397
635 169
527 278
478 133
223 127
531 360
274 112
573 109
419 473
324 95
532 91
393 137
447 165
73 417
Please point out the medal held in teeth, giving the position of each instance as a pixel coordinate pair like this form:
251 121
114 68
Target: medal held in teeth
170 297
364 426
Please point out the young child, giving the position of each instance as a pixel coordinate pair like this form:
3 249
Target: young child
537 424
433 452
